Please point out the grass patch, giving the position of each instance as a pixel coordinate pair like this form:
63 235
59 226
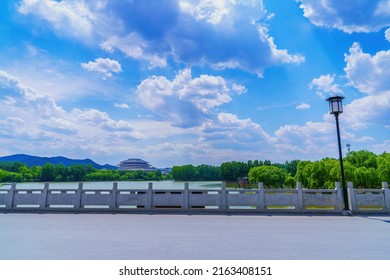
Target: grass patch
316 207
370 208
234 185
290 207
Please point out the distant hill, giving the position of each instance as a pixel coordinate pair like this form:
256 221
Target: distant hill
39 161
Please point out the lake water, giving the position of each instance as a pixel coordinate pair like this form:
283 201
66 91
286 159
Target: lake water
121 185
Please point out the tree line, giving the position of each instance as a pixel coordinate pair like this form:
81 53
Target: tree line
364 168
19 172
227 171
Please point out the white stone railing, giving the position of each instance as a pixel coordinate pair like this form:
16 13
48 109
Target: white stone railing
259 200
363 200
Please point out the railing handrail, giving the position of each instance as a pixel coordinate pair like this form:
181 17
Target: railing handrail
259 200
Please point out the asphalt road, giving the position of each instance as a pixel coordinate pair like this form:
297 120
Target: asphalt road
192 237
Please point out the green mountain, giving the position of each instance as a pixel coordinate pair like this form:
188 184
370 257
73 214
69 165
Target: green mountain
39 161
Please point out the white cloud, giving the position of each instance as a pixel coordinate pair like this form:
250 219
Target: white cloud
185 101
308 133
16 127
72 18
387 34
303 106
232 138
239 89
103 65
242 129
59 124
63 79
369 74
157 129
282 56
223 12
121 105
314 140
24 97
186 113
221 34
249 47
134 46
368 111
366 73
91 132
325 84
382 147
29 115
211 11
304 141
359 16
383 8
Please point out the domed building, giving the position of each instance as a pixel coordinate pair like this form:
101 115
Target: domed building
134 164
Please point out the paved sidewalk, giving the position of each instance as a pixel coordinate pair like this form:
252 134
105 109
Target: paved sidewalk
186 237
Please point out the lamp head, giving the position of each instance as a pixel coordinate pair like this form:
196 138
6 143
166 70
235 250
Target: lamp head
335 104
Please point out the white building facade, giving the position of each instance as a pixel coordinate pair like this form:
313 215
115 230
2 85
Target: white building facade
135 164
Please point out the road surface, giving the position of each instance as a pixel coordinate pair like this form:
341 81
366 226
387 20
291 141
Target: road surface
193 237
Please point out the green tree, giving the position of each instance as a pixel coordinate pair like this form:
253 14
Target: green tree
78 171
202 172
318 175
102 175
269 175
362 158
383 170
231 171
11 166
302 172
61 173
184 173
48 173
366 178
290 181
312 174
2 175
291 167
13 177
208 173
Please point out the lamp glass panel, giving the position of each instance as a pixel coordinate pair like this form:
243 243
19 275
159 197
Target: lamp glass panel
335 107
340 105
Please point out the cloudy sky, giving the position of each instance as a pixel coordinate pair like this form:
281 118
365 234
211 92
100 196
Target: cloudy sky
193 81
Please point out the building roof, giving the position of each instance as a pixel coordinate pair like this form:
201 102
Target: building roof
135 164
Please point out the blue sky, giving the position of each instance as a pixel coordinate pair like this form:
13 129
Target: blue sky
181 81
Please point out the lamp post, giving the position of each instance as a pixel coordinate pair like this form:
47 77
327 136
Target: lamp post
336 108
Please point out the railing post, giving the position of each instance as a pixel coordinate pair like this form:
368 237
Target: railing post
186 202
386 193
261 202
149 200
114 192
339 196
351 197
11 195
79 193
43 202
299 196
223 197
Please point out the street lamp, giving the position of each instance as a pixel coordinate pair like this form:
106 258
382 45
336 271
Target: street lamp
336 108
